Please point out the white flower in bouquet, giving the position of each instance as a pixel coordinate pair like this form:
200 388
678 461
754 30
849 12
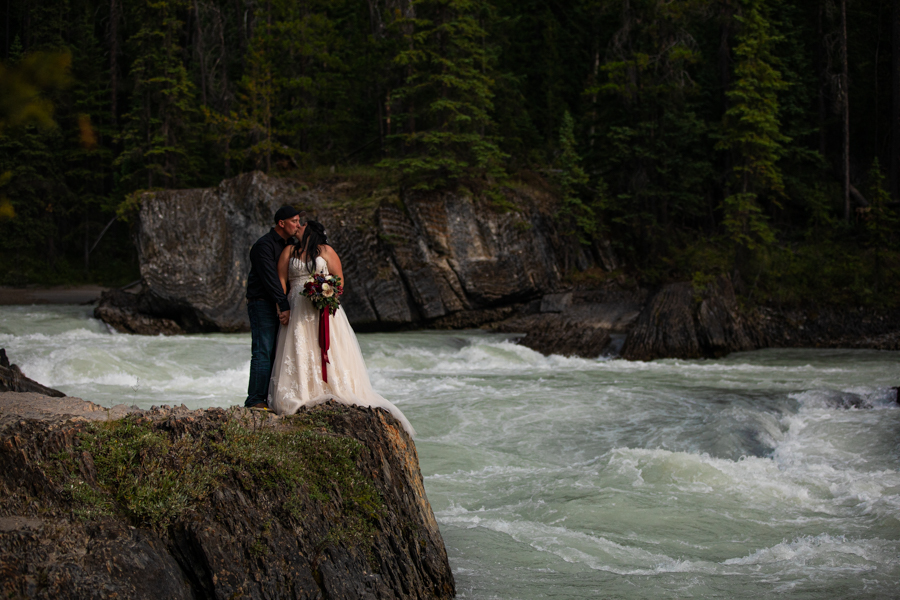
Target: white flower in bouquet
327 290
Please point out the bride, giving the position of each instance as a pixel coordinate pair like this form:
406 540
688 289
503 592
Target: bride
297 374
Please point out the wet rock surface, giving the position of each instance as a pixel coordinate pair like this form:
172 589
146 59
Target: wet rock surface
13 380
449 261
579 323
826 327
408 261
248 535
193 248
678 322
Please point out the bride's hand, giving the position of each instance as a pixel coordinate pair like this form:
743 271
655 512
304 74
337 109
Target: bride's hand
284 317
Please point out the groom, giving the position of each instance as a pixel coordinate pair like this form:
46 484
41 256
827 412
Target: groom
264 293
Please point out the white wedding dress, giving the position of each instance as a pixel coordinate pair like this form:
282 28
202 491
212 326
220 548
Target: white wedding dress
297 371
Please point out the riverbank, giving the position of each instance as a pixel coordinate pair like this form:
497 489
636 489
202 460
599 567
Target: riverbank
81 294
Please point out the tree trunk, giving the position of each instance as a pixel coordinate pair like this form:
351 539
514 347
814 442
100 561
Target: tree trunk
894 169
113 58
845 106
822 67
727 16
269 91
594 95
87 250
201 58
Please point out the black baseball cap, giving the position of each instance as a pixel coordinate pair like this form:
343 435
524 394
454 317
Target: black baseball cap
286 212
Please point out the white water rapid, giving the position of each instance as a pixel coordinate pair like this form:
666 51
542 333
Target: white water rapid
754 476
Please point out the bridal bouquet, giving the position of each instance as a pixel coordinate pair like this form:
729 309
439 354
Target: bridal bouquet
324 291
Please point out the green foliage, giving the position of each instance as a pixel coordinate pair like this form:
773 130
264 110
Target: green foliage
573 183
751 131
652 148
154 478
825 270
699 123
833 271
446 95
305 457
151 478
24 84
881 225
157 132
291 93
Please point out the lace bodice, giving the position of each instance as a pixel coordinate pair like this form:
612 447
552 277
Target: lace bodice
298 269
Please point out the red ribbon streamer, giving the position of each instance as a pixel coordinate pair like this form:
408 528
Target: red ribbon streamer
324 340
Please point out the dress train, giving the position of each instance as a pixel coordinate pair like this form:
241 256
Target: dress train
297 373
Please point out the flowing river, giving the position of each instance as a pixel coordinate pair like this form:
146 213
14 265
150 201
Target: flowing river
754 476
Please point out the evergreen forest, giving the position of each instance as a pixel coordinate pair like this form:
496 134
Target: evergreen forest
757 138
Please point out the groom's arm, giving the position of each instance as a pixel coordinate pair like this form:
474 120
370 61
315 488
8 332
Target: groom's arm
284 315
264 262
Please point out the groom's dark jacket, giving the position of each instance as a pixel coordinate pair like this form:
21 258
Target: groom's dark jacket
263 283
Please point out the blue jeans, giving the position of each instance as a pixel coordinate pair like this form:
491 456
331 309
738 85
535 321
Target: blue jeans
263 334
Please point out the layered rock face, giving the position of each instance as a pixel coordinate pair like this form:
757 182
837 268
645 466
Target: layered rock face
193 247
446 260
172 503
677 322
577 323
407 261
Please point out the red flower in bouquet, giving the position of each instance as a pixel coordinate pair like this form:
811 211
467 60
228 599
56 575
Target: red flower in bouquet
324 291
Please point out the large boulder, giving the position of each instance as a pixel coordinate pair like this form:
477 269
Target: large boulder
577 323
193 248
172 503
409 259
679 321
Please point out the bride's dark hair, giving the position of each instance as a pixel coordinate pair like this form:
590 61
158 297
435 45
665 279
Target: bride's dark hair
313 237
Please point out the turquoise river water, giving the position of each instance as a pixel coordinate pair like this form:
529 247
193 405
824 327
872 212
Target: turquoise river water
558 477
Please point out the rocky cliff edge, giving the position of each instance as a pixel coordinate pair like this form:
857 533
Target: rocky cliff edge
173 503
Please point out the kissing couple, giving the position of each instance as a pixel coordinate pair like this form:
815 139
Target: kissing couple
289 365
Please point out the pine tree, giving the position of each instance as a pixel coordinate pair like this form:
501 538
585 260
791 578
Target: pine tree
881 222
317 105
157 132
88 135
293 99
254 120
751 131
446 95
650 139
573 183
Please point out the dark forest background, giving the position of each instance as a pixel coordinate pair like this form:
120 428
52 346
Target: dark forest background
758 138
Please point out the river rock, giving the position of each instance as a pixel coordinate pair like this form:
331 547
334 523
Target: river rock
679 322
70 528
826 327
409 259
578 323
13 380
